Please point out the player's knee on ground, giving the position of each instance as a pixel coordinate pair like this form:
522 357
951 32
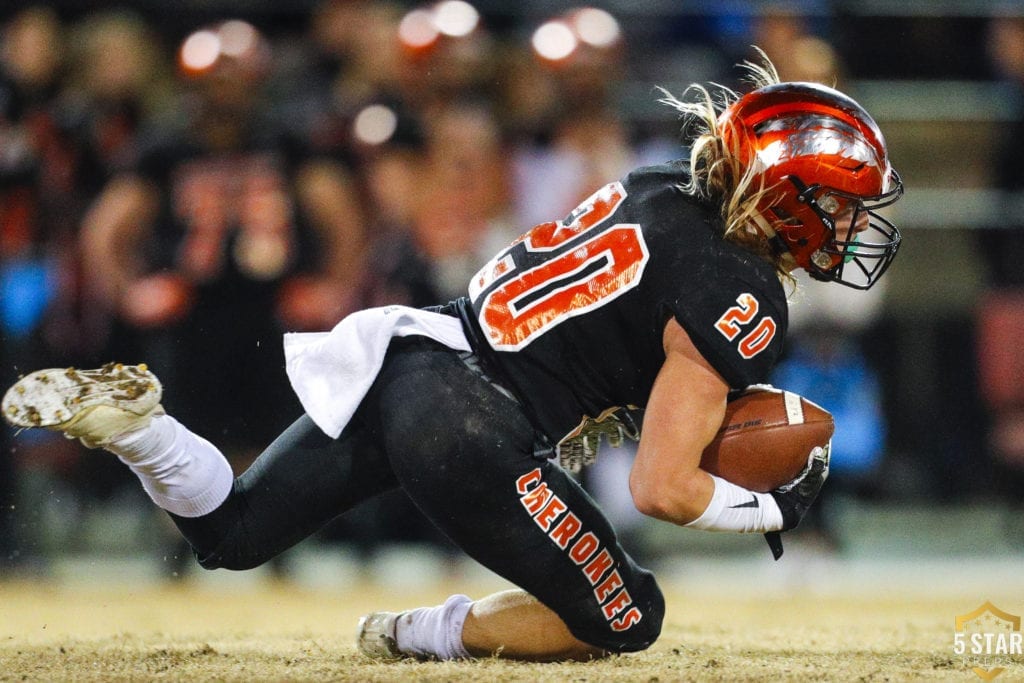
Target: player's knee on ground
222 539
233 556
632 628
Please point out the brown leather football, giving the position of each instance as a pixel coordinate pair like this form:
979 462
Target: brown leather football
766 438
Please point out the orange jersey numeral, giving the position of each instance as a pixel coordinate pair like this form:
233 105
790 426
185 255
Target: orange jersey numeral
737 317
567 283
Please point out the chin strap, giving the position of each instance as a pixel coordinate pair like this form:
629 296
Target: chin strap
763 225
778 246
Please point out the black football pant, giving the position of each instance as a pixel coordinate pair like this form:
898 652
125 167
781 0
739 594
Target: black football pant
463 451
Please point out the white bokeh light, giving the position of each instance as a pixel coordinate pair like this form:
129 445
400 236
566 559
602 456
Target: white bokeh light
237 38
417 29
200 50
456 18
597 27
375 124
554 40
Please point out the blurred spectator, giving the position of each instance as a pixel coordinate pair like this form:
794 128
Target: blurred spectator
393 162
223 236
1004 246
351 106
118 80
787 38
461 216
39 201
1000 326
39 198
527 102
589 142
1001 310
348 58
447 55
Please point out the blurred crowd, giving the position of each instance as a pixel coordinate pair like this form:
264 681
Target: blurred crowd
184 195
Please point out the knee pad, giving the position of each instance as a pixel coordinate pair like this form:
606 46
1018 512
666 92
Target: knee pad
232 559
633 629
235 551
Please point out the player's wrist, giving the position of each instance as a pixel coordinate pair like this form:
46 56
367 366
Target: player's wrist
795 498
790 514
793 506
734 508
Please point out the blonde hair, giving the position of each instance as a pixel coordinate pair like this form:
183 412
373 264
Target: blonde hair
718 173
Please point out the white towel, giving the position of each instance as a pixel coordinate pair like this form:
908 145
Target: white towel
332 371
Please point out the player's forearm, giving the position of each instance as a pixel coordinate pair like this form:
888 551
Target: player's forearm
111 233
703 501
674 495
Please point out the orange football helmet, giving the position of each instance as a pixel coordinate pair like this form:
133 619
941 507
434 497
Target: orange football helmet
825 165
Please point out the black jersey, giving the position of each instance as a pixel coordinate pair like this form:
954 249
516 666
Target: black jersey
230 215
571 316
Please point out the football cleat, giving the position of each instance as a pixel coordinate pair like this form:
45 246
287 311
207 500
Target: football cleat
376 636
93 406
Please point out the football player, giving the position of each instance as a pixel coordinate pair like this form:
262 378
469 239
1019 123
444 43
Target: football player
663 292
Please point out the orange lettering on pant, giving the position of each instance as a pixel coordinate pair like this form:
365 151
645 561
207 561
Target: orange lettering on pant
597 563
536 499
608 586
617 604
554 508
598 566
566 530
524 482
582 550
631 617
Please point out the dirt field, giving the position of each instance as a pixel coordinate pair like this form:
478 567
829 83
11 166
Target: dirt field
273 632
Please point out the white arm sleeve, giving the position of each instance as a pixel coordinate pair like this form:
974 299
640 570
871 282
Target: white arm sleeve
734 508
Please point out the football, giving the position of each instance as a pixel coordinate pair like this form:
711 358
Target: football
766 437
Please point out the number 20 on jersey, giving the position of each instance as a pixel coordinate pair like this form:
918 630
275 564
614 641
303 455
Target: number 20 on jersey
737 320
559 270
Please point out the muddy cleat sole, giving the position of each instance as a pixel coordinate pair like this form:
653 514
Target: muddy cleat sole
376 637
93 406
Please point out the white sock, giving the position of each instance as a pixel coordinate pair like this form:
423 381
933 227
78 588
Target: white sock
434 631
734 508
182 472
